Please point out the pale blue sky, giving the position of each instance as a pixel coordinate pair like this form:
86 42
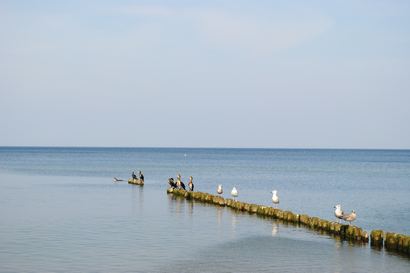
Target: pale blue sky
286 74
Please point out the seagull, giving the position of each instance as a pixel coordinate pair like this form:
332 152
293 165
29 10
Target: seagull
220 190
338 212
275 197
115 179
350 217
234 193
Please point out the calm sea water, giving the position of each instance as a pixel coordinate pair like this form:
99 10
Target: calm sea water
60 211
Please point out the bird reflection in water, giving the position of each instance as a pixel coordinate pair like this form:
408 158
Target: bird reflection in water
233 224
275 229
190 205
219 212
137 197
175 204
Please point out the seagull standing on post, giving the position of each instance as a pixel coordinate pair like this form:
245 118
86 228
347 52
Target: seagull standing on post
338 212
234 193
275 197
220 190
350 217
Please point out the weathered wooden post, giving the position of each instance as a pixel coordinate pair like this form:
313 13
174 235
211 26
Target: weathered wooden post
376 238
391 242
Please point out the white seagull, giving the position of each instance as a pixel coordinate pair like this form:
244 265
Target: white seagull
338 212
275 197
234 193
220 190
350 217
115 179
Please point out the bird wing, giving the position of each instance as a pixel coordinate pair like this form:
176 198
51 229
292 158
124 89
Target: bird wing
348 217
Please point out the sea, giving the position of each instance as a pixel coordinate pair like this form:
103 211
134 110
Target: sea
61 211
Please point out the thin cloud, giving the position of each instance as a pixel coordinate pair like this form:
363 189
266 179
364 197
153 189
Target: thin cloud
239 30
147 10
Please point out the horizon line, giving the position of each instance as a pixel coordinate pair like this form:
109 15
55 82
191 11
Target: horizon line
208 147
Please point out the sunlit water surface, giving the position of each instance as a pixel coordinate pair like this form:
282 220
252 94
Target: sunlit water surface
60 211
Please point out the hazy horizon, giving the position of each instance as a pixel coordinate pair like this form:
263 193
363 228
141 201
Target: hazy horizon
207 147
266 74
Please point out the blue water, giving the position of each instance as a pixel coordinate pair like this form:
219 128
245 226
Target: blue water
60 211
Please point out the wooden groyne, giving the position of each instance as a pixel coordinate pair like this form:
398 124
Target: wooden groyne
136 181
378 238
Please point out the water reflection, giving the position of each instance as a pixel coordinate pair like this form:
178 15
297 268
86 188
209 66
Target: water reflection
137 196
190 206
34 226
176 204
233 224
338 244
275 229
219 213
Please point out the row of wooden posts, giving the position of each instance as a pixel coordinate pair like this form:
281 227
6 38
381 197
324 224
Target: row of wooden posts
378 238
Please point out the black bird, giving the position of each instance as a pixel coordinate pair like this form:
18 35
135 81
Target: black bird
171 183
182 185
191 184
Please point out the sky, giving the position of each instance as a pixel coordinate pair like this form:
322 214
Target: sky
228 73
